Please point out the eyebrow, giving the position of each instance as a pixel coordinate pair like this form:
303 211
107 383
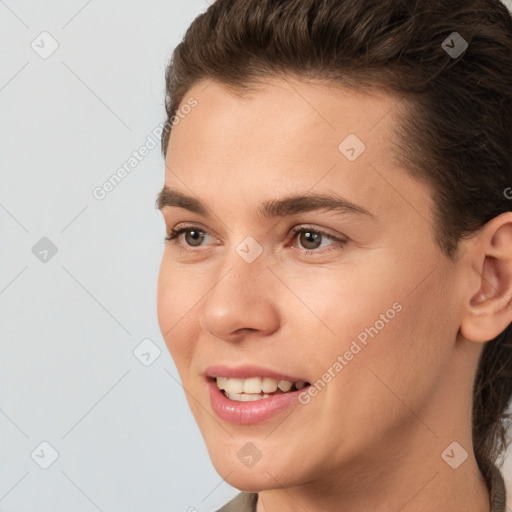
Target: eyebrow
281 207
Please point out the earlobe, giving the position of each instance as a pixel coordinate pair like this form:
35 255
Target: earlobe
488 311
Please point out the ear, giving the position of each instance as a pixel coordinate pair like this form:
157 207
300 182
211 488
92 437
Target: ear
488 309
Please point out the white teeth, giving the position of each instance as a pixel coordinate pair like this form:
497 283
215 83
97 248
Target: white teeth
285 385
222 382
245 397
254 386
234 385
268 385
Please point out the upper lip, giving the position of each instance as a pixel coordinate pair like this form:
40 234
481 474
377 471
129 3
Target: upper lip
248 371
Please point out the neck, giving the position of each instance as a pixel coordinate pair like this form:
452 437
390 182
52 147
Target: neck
405 484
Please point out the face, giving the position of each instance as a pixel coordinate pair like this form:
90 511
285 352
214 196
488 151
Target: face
341 288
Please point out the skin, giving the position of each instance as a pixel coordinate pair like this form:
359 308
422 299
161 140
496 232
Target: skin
372 439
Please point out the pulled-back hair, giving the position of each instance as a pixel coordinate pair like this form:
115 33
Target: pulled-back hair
455 133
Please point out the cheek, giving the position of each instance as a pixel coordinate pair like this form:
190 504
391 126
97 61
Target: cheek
334 306
394 337
166 291
176 297
389 364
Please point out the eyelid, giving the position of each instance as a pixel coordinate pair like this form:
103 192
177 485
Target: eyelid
339 240
314 229
179 229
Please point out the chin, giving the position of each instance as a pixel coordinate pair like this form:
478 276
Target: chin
254 480
263 475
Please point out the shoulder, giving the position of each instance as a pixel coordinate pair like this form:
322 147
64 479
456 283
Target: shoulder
243 502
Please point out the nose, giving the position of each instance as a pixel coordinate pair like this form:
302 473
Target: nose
243 300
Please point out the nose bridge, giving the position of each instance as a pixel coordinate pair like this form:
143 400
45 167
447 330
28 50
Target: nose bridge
242 296
243 272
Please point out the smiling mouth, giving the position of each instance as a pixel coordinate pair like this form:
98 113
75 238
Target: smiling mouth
256 388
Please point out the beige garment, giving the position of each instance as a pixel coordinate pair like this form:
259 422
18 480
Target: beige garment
246 502
243 502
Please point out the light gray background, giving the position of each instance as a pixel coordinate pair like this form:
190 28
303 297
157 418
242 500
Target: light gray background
125 438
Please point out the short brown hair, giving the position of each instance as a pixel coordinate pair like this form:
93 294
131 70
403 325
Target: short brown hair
456 133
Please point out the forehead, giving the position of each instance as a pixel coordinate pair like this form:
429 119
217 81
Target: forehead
288 135
286 112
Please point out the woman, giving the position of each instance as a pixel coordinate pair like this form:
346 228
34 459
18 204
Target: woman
335 288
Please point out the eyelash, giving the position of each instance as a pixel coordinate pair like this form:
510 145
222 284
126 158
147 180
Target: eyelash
175 233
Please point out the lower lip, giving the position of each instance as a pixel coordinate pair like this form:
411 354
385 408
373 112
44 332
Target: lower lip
247 413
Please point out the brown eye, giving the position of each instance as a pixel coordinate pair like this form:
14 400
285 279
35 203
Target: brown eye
194 237
315 241
310 239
